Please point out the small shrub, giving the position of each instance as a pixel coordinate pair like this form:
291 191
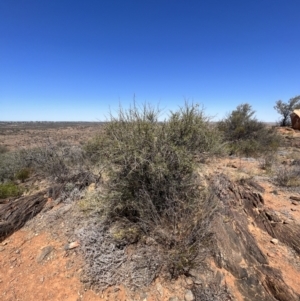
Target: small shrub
23 174
10 164
288 176
267 161
91 203
125 234
9 190
245 135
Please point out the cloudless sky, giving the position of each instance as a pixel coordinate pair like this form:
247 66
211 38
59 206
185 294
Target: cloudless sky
73 60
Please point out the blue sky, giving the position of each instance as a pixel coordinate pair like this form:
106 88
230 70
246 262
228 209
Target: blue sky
73 60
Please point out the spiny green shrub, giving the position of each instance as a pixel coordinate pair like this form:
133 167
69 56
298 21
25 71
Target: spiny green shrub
150 164
146 170
245 135
9 189
152 180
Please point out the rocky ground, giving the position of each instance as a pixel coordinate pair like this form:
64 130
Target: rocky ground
255 253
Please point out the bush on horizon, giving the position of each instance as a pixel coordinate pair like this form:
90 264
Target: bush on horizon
245 135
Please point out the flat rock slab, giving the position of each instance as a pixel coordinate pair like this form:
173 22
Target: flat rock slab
256 280
15 213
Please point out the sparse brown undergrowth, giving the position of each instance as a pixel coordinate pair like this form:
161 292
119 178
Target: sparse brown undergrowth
288 176
60 163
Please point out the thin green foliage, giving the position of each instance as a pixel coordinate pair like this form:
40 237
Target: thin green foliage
190 128
9 189
245 135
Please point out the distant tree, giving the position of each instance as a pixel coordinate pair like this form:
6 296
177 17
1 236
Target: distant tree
240 124
285 109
